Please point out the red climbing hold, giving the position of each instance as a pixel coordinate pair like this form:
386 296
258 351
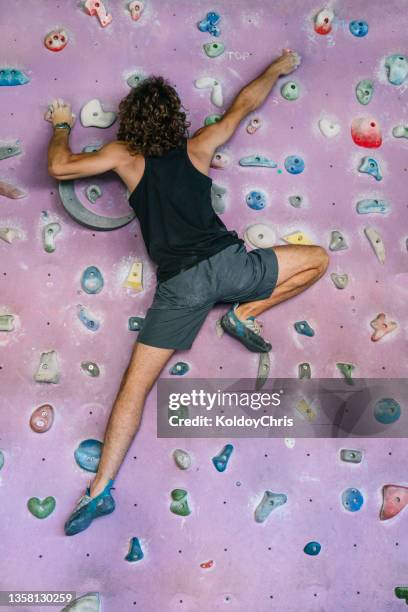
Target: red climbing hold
207 564
323 21
366 132
395 498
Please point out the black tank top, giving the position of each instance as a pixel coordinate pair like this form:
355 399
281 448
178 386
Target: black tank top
173 205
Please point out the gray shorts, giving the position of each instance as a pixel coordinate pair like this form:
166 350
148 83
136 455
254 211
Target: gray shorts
182 302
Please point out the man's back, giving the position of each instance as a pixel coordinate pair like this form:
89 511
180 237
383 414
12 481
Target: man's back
173 204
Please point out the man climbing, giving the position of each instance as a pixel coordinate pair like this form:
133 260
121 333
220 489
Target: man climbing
199 261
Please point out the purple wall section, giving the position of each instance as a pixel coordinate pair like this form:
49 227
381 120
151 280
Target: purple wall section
256 567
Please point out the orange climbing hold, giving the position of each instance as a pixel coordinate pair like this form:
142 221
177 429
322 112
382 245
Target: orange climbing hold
207 564
395 498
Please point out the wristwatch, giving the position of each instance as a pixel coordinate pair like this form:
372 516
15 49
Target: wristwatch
62 125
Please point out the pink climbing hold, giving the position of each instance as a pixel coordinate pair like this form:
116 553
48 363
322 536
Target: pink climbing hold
395 498
254 125
97 7
42 418
136 9
56 40
366 132
381 327
11 191
323 21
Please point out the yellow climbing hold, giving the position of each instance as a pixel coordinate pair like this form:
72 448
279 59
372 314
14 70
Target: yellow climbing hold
135 277
297 238
303 407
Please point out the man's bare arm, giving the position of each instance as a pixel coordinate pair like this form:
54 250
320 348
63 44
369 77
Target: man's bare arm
206 140
65 165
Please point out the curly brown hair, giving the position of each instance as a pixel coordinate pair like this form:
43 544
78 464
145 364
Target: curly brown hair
151 121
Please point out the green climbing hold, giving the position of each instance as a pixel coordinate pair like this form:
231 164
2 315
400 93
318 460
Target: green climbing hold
214 49
402 593
212 119
290 91
41 508
179 505
346 369
364 91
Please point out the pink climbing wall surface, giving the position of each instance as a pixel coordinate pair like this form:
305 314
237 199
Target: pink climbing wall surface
257 567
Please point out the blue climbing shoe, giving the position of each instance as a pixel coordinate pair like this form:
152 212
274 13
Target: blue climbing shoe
89 508
247 331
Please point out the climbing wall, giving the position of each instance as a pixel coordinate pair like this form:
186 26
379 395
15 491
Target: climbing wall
339 187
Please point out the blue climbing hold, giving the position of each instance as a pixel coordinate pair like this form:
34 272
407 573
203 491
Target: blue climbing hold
270 501
180 368
88 454
369 165
221 461
256 200
87 319
135 323
92 280
209 24
358 28
12 76
303 327
364 207
294 164
352 500
387 411
312 548
135 551
257 160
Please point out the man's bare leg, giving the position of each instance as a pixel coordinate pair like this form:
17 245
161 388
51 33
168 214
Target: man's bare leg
299 267
143 370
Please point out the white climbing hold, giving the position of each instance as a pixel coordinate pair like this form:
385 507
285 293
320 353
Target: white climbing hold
216 90
93 115
376 242
182 459
400 131
90 602
263 370
329 128
48 368
8 234
290 442
260 235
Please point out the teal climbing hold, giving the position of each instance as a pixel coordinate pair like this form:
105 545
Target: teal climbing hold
358 28
257 160
290 91
387 411
93 192
1 459
270 501
305 371
365 91
214 49
221 460
180 368
211 119
312 548
303 328
10 149
12 77
364 207
347 370
294 164
87 318
369 165
91 368
135 79
352 500
88 454
135 551
41 508
135 323
92 280
351 456
397 68
179 505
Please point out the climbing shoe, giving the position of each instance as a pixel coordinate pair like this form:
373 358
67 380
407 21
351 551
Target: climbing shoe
247 331
88 508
